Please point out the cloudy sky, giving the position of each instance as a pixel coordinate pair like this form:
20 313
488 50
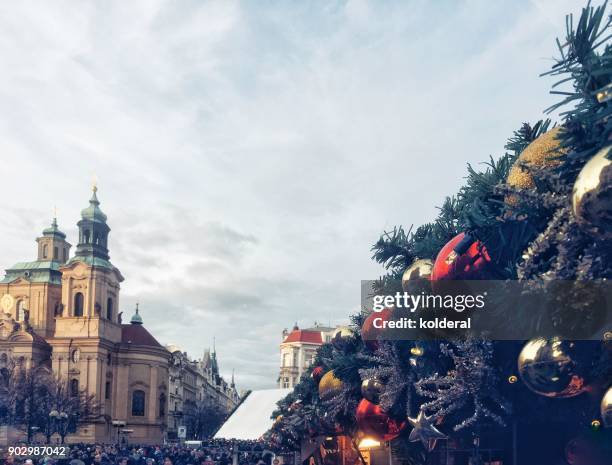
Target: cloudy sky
248 154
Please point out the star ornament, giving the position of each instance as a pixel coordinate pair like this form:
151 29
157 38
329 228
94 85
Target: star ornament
423 430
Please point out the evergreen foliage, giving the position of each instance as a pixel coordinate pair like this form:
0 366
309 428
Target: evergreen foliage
533 238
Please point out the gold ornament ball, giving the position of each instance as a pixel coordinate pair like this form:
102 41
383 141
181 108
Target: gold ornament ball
512 379
549 367
541 153
371 389
592 195
606 408
329 386
417 351
420 270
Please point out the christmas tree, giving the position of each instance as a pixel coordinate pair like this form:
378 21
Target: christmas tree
541 213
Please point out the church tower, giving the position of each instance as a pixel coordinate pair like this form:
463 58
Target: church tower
52 245
93 231
31 291
90 282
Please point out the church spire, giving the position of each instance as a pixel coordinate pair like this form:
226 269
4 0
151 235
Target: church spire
214 365
94 197
52 244
93 230
136 318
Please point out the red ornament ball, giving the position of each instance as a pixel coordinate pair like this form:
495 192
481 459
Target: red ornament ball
462 258
374 422
370 334
317 373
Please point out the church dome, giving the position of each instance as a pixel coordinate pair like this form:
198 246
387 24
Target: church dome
136 318
53 230
93 212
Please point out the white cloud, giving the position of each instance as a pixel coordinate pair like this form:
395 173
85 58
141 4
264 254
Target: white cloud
248 155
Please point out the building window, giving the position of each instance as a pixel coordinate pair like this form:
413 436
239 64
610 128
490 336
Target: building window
162 405
20 310
78 304
138 403
107 390
5 377
86 236
74 387
295 359
55 253
65 254
45 250
109 308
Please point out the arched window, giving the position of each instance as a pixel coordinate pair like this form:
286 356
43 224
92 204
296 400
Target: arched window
107 390
109 308
78 304
138 403
45 250
162 405
55 253
86 236
20 310
74 387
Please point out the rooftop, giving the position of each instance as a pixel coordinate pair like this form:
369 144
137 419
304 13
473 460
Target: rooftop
53 230
37 272
305 335
93 212
138 335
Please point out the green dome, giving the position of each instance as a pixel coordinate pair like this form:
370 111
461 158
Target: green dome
136 318
93 212
53 230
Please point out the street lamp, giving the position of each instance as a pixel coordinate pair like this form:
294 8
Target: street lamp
118 424
60 420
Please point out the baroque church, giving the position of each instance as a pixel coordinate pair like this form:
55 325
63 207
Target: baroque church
62 312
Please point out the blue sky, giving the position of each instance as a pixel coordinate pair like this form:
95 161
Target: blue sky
248 154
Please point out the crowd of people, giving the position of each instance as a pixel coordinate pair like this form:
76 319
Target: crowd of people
213 452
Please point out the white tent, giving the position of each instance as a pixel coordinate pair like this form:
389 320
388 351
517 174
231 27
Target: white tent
252 418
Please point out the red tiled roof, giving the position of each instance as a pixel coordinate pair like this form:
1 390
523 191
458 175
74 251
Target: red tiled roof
302 335
138 335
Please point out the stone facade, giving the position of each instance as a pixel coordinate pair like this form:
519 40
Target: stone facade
62 313
193 383
297 351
